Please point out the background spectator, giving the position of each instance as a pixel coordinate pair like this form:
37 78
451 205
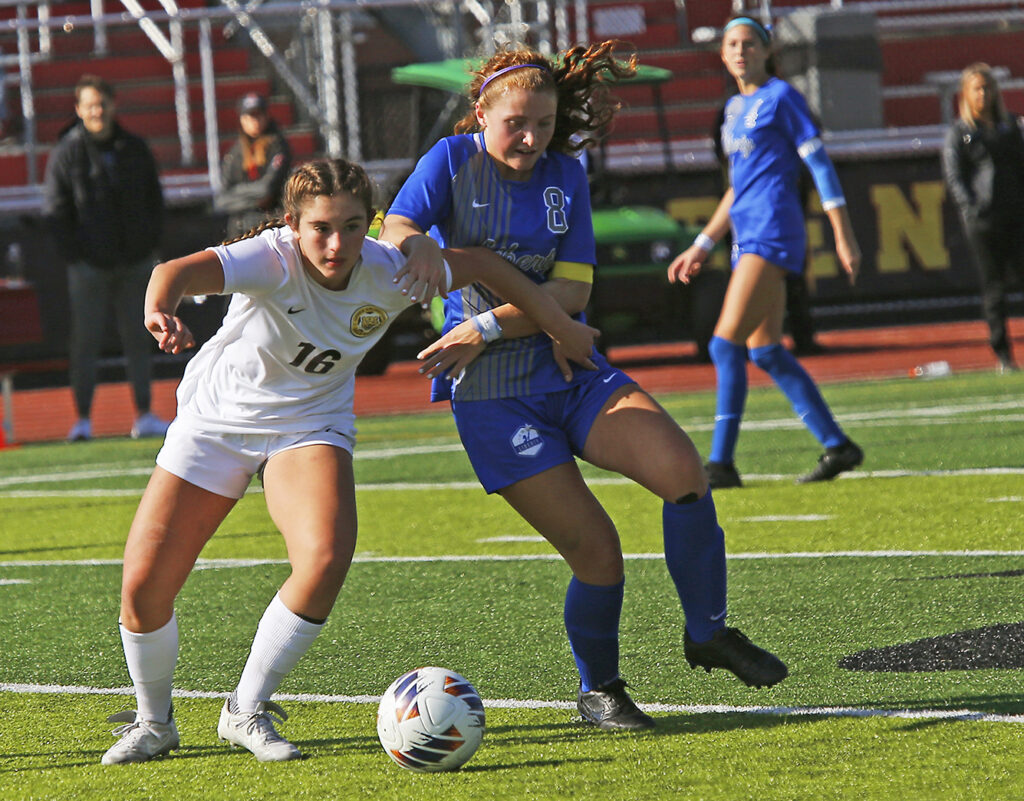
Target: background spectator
983 164
255 169
104 207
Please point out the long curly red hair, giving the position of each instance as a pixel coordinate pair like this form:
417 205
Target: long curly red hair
579 77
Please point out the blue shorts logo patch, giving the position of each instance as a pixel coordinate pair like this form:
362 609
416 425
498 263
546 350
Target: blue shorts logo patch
526 441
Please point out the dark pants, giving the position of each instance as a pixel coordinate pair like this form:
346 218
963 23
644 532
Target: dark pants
998 251
798 313
93 291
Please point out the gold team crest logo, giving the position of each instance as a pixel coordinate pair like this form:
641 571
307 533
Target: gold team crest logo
366 320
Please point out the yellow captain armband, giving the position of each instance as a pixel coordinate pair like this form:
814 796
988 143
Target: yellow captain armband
573 271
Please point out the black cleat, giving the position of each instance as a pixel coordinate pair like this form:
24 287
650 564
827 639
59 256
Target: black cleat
722 475
833 462
732 649
610 708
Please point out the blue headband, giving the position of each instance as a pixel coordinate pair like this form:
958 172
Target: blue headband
502 71
753 23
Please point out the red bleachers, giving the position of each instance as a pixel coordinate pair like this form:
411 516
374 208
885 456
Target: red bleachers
691 98
145 90
153 94
907 59
142 66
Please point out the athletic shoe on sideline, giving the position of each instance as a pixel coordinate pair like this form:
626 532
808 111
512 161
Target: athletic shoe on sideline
81 431
732 649
833 462
149 425
1006 366
610 708
141 740
722 475
255 731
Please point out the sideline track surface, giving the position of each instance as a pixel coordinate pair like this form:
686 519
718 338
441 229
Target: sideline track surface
42 415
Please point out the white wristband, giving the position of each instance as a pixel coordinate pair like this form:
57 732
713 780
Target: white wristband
487 325
447 276
704 242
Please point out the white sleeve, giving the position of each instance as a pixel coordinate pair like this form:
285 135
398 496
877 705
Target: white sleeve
251 266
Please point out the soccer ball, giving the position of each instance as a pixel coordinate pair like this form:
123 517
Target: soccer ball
430 719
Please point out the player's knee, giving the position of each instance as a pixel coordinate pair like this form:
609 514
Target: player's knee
769 358
724 353
143 608
324 568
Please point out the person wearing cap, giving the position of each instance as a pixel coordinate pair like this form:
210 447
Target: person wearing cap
254 170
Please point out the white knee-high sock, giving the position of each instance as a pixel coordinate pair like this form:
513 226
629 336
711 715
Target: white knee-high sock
282 637
151 658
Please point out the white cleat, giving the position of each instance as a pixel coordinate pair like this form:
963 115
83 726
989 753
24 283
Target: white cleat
141 740
255 731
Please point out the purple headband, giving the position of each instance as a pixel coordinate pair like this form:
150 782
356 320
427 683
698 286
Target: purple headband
502 71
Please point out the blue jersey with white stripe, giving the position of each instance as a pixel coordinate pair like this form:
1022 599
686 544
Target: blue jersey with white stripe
761 135
456 194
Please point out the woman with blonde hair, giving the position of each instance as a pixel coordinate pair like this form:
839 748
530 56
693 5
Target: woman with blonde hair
983 165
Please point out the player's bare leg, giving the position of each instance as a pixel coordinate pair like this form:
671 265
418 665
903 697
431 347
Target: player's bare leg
174 521
310 494
561 507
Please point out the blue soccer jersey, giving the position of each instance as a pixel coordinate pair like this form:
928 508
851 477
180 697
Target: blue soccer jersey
761 135
456 194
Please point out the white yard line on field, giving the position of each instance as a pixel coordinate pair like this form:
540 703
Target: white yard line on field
925 415
217 564
512 703
409 486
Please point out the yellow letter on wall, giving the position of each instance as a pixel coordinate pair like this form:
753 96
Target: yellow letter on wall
902 231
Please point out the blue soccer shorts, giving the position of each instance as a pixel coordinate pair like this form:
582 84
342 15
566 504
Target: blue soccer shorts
509 439
787 254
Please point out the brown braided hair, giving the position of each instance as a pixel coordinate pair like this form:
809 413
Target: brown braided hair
327 177
579 77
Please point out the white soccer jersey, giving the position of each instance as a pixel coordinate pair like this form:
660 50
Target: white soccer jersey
285 357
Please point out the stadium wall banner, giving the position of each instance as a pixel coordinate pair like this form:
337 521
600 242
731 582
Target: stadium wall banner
908 230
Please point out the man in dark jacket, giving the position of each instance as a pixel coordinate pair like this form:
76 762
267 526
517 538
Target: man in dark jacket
254 171
104 207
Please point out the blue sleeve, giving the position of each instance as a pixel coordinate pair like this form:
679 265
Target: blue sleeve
824 174
578 243
796 118
426 196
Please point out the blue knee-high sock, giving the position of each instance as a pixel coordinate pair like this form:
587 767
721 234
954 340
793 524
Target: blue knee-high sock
802 392
730 362
695 555
592 622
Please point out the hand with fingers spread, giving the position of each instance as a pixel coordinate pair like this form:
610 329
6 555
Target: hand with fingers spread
576 345
687 264
453 352
424 274
171 334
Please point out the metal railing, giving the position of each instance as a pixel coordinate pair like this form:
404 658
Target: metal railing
328 94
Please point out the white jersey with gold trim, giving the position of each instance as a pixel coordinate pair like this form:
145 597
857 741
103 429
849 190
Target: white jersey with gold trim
284 359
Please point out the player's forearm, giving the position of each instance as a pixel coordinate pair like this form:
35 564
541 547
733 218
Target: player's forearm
404 234
570 297
718 225
842 226
530 308
197 274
